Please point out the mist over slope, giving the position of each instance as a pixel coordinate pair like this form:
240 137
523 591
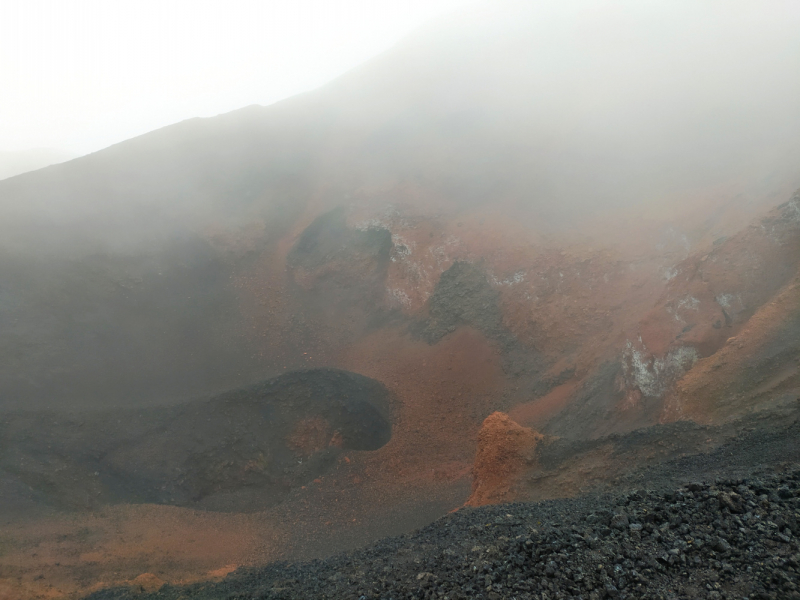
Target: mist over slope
583 216
580 125
14 163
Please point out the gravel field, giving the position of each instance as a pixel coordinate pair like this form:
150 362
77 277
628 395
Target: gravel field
731 538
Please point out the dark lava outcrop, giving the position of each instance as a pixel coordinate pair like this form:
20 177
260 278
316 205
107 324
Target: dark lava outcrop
243 450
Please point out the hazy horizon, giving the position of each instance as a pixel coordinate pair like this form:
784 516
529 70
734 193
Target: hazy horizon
81 76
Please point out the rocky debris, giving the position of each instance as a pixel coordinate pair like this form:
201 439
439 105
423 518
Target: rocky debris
464 296
504 450
331 255
726 539
147 582
661 455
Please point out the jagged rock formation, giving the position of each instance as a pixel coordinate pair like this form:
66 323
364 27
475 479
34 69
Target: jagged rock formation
505 450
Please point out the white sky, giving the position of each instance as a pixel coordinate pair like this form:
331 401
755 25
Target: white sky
79 75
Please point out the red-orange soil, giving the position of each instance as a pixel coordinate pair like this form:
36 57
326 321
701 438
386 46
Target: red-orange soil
505 449
731 382
443 393
66 556
537 412
576 304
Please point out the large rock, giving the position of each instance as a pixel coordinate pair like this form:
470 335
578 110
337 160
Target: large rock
505 450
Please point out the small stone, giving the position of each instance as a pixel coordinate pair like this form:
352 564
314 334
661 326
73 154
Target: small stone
732 501
720 545
619 521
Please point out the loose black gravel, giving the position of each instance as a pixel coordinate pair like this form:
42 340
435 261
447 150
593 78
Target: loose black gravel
730 539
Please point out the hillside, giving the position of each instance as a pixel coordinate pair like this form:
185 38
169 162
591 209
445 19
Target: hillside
733 537
14 163
559 256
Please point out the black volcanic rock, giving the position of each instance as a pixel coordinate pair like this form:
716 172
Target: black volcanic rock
242 450
687 544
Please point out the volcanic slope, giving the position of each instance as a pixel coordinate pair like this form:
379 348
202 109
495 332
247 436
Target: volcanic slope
244 450
729 531
168 267
587 244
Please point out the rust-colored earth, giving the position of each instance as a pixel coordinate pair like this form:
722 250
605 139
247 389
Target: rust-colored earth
505 450
575 309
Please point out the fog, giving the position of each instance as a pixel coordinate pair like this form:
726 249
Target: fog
571 212
566 119
81 75
595 99
558 108
556 116
14 163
